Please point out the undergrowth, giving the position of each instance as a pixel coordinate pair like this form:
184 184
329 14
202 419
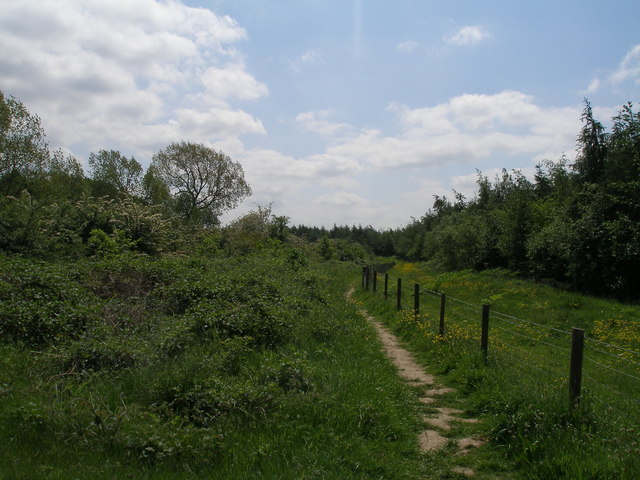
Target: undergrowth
521 391
195 367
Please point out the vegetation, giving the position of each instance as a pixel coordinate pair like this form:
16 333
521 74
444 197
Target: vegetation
139 338
124 356
223 367
204 182
575 225
521 393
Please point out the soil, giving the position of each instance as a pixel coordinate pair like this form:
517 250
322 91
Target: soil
432 438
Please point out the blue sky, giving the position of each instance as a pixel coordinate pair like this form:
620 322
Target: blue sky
347 112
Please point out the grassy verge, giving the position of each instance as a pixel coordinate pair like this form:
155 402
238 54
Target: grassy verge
522 391
252 367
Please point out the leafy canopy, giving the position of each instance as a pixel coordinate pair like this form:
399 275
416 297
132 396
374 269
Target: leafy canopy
203 182
115 170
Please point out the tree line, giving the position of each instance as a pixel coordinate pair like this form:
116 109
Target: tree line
577 223
48 204
572 223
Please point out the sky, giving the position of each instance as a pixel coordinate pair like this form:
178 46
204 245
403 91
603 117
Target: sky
351 112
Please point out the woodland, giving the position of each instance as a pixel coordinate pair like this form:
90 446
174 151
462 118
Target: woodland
575 224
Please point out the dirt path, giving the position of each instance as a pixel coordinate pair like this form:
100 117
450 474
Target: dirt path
436 425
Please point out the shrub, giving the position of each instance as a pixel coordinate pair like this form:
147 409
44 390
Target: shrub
39 303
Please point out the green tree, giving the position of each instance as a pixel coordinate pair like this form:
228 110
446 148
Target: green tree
279 227
154 190
624 146
24 151
203 182
592 147
326 248
112 169
64 179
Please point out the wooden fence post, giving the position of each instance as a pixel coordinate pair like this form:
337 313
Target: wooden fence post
398 305
416 300
575 370
443 302
375 280
386 285
484 340
364 271
366 278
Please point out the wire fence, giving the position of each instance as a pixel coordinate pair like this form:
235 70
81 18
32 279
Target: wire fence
601 372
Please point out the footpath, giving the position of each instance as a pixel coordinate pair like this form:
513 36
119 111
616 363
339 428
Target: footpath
433 437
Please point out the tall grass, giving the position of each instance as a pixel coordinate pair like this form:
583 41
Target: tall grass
522 391
192 367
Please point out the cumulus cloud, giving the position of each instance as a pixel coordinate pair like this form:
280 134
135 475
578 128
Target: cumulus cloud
121 73
468 36
317 122
348 208
231 81
629 68
309 57
407 47
341 199
467 128
424 194
593 87
278 178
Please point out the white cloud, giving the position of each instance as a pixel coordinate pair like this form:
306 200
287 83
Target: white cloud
276 177
593 87
467 128
467 185
407 47
468 36
347 208
309 57
317 122
216 123
629 68
424 194
232 81
122 74
340 183
341 199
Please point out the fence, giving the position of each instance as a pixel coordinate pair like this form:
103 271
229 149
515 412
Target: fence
607 370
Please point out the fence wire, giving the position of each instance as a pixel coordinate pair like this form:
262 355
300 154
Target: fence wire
462 312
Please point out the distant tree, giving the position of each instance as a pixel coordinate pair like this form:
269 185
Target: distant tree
592 147
154 190
112 169
23 148
64 179
203 182
326 248
624 146
279 228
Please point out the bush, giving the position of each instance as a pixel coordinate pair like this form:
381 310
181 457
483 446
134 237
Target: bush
255 320
40 303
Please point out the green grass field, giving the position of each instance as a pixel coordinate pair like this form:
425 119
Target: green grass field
258 367
522 393
245 367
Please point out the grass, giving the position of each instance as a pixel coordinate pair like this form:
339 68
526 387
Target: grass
257 367
190 367
522 392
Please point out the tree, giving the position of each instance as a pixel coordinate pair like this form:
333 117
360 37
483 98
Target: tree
624 146
64 179
203 181
154 190
113 169
592 148
23 148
